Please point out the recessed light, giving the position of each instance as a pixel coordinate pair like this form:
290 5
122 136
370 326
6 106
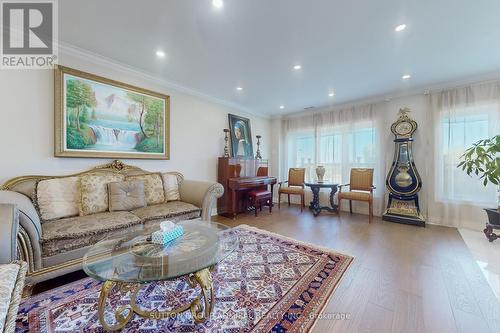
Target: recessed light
282 107
297 67
400 27
218 3
239 88
406 76
160 54
331 94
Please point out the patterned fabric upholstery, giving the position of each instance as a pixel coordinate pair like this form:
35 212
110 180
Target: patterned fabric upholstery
57 198
11 286
167 210
94 192
361 179
126 195
296 176
76 232
354 195
153 187
171 187
291 190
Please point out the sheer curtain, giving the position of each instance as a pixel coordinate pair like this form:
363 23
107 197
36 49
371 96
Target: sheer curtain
449 121
461 117
338 140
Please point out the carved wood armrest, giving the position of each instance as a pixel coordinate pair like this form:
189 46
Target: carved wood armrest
283 182
343 185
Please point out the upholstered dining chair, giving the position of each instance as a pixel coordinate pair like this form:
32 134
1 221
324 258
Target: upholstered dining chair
295 186
360 189
262 171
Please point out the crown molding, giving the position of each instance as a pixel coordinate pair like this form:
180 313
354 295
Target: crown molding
96 58
395 95
87 55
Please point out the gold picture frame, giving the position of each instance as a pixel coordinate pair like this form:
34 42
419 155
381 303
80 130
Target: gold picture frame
101 118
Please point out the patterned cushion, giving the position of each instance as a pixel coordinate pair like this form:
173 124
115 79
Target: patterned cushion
291 190
57 198
94 192
76 232
126 195
354 195
361 179
8 277
167 210
171 187
153 187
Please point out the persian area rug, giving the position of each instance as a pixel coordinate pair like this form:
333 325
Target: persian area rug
269 284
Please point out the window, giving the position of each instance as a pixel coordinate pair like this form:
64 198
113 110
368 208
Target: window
301 150
458 130
338 149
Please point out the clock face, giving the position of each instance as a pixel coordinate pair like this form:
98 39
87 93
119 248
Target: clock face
403 128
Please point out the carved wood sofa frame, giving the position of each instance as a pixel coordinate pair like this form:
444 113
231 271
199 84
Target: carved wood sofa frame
20 226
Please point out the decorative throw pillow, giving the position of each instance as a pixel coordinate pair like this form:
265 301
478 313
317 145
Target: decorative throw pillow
153 187
171 186
126 195
94 192
57 198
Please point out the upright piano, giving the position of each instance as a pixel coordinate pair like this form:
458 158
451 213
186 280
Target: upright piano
239 175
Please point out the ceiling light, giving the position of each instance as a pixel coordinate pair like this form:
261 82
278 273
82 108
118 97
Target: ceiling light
218 3
406 76
331 94
160 54
400 27
282 107
239 88
297 67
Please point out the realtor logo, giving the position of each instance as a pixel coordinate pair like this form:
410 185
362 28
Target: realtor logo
29 30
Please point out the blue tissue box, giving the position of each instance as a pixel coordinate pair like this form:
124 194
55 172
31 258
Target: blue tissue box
160 237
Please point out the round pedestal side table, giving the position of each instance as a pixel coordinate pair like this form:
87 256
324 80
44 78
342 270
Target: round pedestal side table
315 206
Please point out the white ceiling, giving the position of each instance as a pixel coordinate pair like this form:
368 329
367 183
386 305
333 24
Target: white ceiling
348 46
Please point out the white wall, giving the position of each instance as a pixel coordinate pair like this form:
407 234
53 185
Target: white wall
27 124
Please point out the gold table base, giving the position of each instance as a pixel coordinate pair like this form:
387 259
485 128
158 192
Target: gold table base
200 310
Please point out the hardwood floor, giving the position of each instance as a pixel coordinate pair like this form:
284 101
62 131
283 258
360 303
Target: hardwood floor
486 254
403 279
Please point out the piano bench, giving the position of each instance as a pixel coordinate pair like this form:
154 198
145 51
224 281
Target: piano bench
260 198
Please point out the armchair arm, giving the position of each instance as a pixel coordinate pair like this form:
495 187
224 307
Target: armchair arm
201 194
343 185
283 182
9 226
30 229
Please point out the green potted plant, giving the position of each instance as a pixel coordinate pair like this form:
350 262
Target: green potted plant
482 160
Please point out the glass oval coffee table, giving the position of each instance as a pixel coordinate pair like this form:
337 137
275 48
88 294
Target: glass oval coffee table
129 260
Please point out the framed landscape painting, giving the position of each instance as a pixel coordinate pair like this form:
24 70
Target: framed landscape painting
99 117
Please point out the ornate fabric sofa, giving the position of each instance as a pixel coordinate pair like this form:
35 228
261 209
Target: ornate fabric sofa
11 286
56 247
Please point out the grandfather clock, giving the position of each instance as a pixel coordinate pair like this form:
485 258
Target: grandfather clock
403 180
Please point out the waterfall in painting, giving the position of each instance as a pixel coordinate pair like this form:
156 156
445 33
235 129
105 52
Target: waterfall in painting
106 118
113 137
